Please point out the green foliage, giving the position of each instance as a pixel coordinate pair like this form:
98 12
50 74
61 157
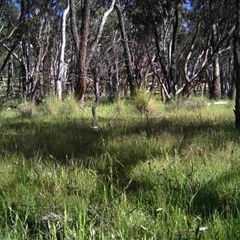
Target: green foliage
172 175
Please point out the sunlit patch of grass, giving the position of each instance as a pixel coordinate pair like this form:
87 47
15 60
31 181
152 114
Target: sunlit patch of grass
36 189
9 113
120 109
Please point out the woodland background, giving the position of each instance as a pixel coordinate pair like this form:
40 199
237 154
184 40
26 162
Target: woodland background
160 160
117 47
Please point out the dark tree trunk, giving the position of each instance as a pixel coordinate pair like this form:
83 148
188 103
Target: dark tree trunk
74 25
161 60
231 81
74 71
10 78
236 55
10 53
128 58
81 85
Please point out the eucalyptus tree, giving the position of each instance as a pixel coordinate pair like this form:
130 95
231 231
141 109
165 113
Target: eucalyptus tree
10 28
29 40
210 27
159 23
45 23
171 44
62 66
86 49
236 54
93 49
220 20
127 53
81 84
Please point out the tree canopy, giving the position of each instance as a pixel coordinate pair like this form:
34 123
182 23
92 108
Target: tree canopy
171 47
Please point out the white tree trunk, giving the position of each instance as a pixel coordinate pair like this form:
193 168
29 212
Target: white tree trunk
62 65
99 33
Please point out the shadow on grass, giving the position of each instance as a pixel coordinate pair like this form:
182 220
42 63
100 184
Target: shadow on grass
58 141
221 195
62 140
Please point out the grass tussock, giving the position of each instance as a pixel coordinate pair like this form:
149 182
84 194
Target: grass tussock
53 105
28 109
146 104
171 175
192 104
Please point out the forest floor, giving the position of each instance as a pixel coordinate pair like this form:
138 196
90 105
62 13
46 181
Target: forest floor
142 170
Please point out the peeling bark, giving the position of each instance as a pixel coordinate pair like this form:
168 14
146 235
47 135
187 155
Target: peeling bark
61 63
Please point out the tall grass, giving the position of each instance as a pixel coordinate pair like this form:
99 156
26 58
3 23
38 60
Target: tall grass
168 173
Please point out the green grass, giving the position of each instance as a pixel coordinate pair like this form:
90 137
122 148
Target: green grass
141 171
